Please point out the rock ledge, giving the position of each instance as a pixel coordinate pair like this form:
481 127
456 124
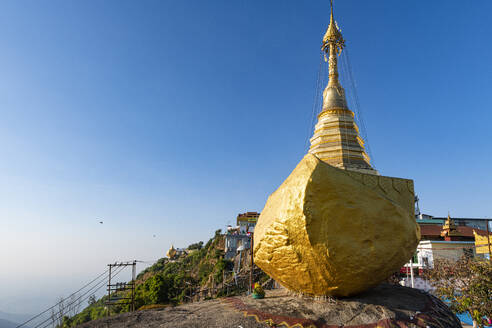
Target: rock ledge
381 307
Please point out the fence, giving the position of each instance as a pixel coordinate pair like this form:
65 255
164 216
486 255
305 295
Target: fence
237 286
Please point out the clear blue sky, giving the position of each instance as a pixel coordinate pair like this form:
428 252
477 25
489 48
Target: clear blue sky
170 117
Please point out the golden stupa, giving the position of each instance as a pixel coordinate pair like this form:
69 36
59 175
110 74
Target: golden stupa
171 252
335 226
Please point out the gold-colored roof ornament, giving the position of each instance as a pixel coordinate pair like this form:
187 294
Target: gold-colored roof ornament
450 229
333 44
333 36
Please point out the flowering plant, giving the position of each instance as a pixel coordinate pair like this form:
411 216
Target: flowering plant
258 291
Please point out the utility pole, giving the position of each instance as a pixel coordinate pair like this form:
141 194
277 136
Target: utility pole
411 272
121 287
134 272
109 291
488 239
252 264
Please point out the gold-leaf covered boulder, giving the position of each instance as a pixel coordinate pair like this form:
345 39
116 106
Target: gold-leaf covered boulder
328 231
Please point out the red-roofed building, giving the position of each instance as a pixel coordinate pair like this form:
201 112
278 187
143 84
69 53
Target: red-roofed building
443 238
433 232
247 221
447 240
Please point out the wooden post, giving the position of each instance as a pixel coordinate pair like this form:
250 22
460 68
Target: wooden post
411 272
109 290
134 269
251 268
488 240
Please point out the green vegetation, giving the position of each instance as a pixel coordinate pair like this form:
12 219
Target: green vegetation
166 282
466 284
196 246
94 311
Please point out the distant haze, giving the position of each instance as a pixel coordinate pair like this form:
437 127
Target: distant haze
10 320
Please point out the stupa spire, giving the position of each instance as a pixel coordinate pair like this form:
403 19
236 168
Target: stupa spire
336 137
333 43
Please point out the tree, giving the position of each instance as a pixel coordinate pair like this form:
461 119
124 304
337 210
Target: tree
466 284
198 246
91 300
73 306
53 318
60 311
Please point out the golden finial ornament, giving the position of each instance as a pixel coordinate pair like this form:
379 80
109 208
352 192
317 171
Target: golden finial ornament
333 43
333 36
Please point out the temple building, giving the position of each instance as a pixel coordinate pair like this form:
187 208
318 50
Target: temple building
175 253
239 238
446 238
449 238
450 230
247 222
336 138
477 223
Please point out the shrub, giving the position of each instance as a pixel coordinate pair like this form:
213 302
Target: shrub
466 284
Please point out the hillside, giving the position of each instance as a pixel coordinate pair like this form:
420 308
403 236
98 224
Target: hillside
200 273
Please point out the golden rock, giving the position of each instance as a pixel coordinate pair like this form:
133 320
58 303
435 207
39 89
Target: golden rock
329 231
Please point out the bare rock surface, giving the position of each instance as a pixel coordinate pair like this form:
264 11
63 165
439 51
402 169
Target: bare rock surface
212 313
383 306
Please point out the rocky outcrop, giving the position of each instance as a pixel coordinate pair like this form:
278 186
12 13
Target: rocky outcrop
384 306
328 231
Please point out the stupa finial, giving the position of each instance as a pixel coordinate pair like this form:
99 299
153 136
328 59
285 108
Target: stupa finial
331 7
333 43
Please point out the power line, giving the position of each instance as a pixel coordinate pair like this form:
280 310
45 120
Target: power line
56 317
355 97
94 289
316 98
62 300
81 301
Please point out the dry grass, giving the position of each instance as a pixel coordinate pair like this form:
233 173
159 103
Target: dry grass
153 307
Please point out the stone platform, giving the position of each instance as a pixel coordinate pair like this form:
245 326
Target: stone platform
383 306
